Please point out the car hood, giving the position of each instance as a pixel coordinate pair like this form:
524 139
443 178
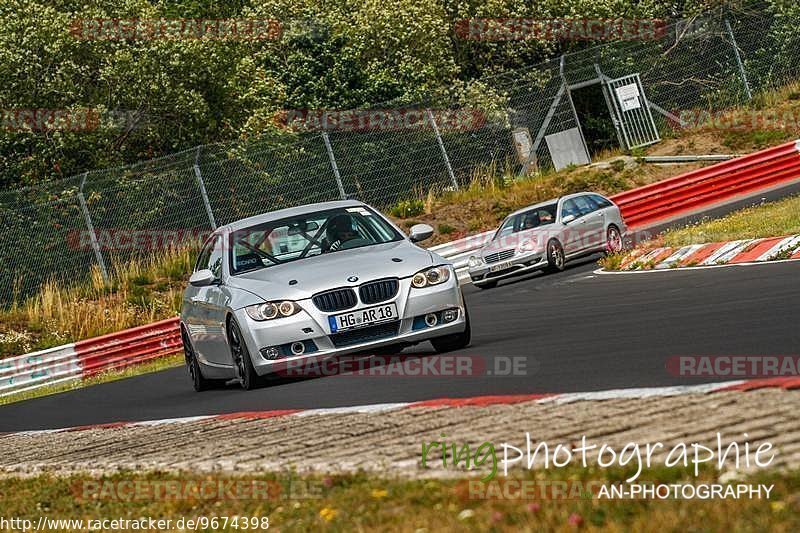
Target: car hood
329 271
511 242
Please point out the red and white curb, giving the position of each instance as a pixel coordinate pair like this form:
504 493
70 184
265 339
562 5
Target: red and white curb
739 252
478 401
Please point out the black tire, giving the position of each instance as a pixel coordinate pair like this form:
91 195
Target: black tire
456 341
242 364
199 382
486 285
555 256
614 242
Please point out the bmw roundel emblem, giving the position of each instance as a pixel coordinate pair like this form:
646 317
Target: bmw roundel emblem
352 279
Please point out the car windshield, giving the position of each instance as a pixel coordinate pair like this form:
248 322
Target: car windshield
296 238
530 219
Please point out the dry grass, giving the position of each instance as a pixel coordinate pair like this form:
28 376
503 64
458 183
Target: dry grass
139 292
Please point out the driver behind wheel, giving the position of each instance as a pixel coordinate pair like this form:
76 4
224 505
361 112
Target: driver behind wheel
340 230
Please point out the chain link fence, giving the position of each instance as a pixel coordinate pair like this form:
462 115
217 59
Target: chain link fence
62 230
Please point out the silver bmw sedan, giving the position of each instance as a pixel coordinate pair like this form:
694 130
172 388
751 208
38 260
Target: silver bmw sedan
314 282
547 235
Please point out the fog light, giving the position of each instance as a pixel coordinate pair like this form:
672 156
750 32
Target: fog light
449 315
298 348
271 352
431 320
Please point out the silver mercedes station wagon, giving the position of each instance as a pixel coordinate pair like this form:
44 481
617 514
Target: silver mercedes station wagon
315 281
547 235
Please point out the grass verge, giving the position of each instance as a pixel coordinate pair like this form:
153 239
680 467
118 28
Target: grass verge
361 502
767 220
774 219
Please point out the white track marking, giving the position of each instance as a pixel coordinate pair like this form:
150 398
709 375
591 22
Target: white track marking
787 243
679 255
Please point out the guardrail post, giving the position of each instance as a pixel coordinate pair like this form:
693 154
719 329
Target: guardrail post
442 148
335 168
90 227
742 72
200 183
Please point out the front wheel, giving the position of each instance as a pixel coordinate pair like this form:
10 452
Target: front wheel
242 364
455 341
555 256
613 240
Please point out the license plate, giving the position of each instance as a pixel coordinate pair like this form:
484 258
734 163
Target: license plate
500 266
363 317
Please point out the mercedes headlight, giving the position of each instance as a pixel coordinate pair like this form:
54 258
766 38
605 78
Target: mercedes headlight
272 310
430 276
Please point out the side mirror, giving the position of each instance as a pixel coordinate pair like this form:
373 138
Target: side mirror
202 278
567 219
420 232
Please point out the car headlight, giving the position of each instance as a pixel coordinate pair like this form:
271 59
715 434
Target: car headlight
430 276
272 310
474 261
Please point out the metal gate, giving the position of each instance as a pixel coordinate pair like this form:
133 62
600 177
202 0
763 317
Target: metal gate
631 112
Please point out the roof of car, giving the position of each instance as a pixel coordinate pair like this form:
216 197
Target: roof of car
551 201
286 213
540 204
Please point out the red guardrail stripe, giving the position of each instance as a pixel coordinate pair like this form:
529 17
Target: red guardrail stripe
711 171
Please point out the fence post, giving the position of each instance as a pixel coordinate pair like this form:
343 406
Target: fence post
90 227
335 168
200 183
742 72
442 148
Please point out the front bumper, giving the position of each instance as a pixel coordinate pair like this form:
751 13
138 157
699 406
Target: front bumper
311 326
518 264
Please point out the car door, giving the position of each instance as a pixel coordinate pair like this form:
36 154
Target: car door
572 231
215 299
592 224
206 326
192 312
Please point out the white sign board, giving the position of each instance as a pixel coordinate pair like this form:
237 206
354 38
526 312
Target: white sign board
628 96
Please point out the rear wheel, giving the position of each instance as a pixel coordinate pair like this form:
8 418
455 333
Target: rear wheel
242 363
456 341
555 256
193 366
613 240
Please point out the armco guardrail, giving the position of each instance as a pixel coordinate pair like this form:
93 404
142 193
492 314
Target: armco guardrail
641 208
129 347
89 357
688 192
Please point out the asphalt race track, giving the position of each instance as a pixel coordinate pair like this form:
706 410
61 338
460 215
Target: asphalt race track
576 330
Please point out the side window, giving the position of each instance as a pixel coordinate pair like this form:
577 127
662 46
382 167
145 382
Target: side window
215 258
600 201
205 253
584 205
569 208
